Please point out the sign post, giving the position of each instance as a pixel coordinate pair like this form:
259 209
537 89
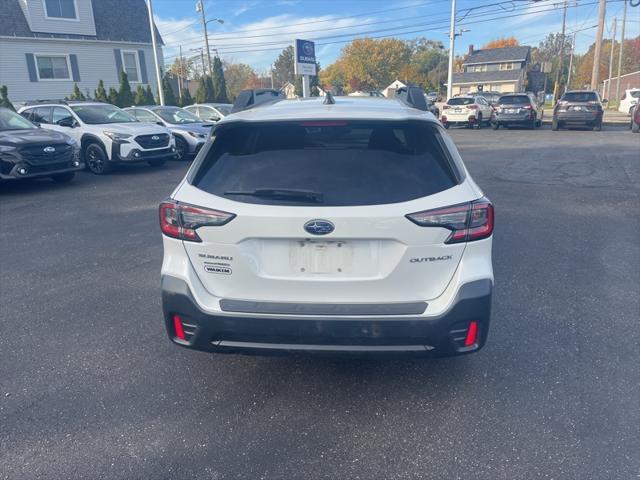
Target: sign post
305 63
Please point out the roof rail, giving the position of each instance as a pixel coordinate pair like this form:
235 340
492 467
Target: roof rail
248 99
39 101
413 97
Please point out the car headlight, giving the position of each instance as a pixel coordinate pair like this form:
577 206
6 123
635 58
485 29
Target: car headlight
117 137
72 141
6 148
196 135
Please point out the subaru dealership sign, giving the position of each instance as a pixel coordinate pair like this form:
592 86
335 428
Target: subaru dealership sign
305 53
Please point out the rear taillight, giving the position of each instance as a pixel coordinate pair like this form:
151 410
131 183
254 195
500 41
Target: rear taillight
473 107
467 222
181 221
527 107
445 107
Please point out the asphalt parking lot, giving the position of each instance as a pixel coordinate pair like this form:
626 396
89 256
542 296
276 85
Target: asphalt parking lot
90 387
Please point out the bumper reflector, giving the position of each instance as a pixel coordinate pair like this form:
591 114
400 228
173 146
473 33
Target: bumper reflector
472 334
177 326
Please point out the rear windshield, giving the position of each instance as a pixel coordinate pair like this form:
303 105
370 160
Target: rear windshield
635 94
515 100
460 101
332 163
580 97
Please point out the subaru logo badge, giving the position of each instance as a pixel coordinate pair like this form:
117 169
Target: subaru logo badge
49 149
155 137
319 227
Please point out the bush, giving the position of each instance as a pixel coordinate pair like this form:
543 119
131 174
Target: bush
125 95
100 94
76 94
113 96
149 94
4 98
141 96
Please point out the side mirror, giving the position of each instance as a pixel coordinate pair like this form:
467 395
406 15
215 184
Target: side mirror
214 118
67 122
160 123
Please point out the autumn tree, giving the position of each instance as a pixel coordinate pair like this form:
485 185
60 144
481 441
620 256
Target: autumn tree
501 43
584 63
237 76
181 67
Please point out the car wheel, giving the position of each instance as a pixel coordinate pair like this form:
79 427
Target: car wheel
96 159
554 125
495 125
181 149
532 123
635 127
65 177
157 163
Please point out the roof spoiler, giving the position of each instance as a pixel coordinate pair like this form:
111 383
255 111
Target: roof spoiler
413 97
248 99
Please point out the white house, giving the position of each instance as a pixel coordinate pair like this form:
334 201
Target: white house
48 45
390 91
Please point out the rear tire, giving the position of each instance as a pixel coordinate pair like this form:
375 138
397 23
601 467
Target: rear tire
479 125
635 127
65 177
96 159
181 149
532 123
554 125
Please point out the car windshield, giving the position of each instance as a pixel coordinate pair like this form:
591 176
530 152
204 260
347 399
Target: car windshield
101 114
514 100
12 121
176 116
224 109
334 163
579 97
461 101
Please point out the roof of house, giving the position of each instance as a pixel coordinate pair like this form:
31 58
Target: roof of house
493 55
351 108
486 77
115 20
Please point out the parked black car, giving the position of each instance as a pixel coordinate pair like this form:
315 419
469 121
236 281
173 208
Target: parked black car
27 151
517 109
578 108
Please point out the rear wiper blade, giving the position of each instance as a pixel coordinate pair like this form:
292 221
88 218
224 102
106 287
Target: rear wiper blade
282 193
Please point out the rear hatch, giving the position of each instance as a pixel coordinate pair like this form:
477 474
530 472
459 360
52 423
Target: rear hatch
320 212
579 103
460 106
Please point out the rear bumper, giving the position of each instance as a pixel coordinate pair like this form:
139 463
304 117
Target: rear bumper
513 118
578 117
440 335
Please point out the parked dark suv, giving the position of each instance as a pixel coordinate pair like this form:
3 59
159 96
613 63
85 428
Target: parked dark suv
520 109
27 151
578 108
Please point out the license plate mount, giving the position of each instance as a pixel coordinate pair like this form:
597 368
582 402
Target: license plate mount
317 257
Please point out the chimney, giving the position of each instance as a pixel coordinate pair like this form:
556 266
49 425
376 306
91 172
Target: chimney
470 52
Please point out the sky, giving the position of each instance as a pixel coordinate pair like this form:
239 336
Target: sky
255 31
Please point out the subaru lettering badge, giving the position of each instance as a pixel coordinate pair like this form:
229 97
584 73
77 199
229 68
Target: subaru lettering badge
155 137
319 227
49 149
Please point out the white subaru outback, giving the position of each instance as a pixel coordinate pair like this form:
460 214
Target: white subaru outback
107 135
339 226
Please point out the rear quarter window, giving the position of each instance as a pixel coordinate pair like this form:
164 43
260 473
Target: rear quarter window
348 163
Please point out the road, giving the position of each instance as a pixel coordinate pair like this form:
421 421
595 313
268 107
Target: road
90 387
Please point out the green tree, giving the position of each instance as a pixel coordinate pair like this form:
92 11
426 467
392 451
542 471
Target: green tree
549 51
125 95
113 96
201 93
167 91
219 85
4 98
141 96
283 68
185 98
149 100
76 94
211 93
100 94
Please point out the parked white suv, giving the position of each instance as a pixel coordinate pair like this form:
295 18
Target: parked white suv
346 225
629 99
468 110
107 135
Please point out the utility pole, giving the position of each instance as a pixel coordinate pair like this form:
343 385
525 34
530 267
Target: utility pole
596 55
573 49
152 29
200 8
556 87
613 48
624 20
452 41
271 71
180 72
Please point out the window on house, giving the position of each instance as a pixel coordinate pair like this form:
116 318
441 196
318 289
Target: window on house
506 66
60 8
465 89
130 65
53 67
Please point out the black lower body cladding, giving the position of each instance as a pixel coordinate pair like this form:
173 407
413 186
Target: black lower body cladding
365 335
